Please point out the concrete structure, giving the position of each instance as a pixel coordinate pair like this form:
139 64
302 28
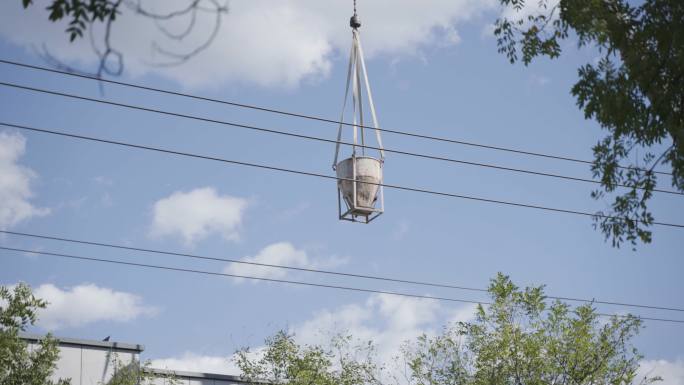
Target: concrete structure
88 362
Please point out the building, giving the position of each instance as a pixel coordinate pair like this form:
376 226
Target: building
88 362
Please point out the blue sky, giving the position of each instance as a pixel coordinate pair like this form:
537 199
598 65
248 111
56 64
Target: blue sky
434 70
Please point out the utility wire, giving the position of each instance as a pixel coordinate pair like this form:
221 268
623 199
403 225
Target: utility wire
298 172
272 131
310 117
241 276
301 283
329 272
153 251
331 141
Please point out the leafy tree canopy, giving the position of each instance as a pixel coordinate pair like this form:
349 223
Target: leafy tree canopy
521 340
635 92
284 361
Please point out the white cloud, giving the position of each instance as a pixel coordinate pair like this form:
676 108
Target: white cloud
15 183
387 320
261 41
672 372
281 253
196 363
196 214
193 362
87 303
466 313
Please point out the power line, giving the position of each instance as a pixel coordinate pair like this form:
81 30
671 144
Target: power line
329 272
312 117
332 141
195 256
272 131
286 170
70 256
301 283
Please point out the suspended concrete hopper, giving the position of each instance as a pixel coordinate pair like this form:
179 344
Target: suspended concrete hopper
359 177
359 186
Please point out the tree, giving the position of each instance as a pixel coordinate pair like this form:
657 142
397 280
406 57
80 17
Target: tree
18 365
635 92
83 15
521 340
284 361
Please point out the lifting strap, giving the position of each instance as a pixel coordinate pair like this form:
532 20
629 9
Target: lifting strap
344 105
370 102
356 69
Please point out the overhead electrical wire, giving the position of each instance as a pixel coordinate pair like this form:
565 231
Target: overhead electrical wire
301 283
77 257
312 174
301 136
318 271
250 263
318 175
311 117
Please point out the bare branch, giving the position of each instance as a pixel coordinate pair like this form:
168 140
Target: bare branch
110 60
158 16
182 35
177 58
109 51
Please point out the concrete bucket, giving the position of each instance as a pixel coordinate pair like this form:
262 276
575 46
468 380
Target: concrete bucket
359 183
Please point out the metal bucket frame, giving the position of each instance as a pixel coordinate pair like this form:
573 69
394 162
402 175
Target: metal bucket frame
352 213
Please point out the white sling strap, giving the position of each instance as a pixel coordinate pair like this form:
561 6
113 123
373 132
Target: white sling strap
370 102
356 69
344 105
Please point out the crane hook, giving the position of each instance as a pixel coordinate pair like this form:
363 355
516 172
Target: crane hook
354 22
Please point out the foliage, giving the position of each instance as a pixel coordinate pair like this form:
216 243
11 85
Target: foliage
519 339
80 13
284 361
19 366
635 92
